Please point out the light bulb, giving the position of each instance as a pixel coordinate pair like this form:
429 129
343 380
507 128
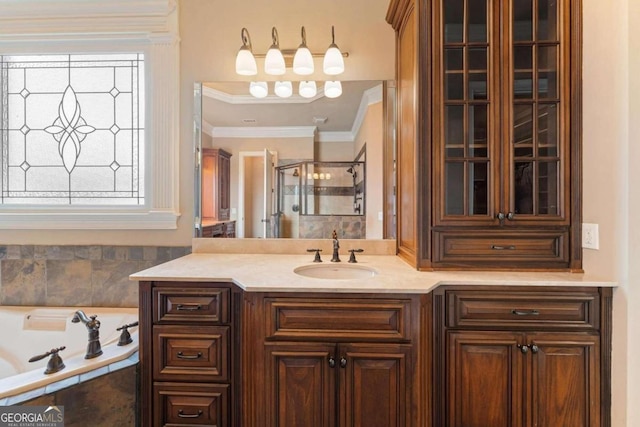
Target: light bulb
283 89
332 89
303 60
258 89
333 63
307 89
245 61
274 61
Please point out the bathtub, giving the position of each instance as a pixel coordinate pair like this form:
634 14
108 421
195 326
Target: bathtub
30 331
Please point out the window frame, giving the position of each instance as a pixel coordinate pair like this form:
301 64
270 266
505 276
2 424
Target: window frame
161 62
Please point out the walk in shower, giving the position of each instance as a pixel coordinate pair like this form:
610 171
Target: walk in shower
314 198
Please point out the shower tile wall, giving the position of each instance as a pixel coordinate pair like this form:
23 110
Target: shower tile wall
95 276
321 227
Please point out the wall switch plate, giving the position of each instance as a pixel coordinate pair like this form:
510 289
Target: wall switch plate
380 216
590 238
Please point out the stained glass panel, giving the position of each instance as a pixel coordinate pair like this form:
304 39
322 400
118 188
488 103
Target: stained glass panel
72 129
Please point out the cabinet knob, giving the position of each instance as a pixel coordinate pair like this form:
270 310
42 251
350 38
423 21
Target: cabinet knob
500 216
332 362
534 348
343 362
510 216
523 348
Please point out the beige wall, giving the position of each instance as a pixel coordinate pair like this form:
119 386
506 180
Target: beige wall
371 133
611 42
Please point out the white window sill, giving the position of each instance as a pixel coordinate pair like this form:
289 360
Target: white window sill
149 220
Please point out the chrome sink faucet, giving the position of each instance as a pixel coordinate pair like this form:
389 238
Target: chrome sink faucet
93 327
336 246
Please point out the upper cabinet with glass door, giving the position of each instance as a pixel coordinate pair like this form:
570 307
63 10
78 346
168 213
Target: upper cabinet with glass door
503 95
502 133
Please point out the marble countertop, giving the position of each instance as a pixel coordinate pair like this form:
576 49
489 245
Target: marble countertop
275 273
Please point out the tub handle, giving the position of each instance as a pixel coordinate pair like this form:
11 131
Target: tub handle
189 356
181 414
194 307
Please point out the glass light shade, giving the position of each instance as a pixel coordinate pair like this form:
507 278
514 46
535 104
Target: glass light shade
321 175
303 61
259 89
328 176
309 176
315 176
274 62
332 89
307 89
333 63
283 89
246 63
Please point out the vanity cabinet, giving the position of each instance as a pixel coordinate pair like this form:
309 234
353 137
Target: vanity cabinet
489 115
522 356
216 184
340 360
188 345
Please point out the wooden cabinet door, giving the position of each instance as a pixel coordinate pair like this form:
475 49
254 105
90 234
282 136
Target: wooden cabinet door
484 379
565 380
302 377
373 385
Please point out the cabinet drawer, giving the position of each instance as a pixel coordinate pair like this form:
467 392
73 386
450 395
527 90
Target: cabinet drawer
323 318
462 248
553 309
191 353
191 404
191 305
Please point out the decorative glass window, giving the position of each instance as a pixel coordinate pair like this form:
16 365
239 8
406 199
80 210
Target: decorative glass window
72 129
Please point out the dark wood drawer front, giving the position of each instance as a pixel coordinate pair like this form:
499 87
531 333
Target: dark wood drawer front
189 404
556 310
462 248
191 305
191 353
322 318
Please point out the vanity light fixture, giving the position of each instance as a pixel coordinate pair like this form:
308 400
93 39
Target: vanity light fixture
274 61
307 89
303 60
283 89
333 63
258 89
332 89
245 61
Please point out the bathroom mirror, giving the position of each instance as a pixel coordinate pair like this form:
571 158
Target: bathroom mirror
262 136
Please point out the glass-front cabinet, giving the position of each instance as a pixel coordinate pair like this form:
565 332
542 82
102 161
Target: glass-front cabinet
505 109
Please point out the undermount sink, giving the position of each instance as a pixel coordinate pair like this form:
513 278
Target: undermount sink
336 271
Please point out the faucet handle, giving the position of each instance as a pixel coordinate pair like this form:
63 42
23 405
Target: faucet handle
55 363
352 257
125 336
317 257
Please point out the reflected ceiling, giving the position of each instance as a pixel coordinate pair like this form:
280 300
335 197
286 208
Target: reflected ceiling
230 105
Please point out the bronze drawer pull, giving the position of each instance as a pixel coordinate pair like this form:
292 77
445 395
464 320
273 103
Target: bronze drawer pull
525 312
181 307
183 415
503 248
186 356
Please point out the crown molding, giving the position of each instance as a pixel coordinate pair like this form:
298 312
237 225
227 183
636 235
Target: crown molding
345 136
260 132
249 99
369 97
84 16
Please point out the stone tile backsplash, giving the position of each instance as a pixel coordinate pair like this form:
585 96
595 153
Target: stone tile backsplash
76 276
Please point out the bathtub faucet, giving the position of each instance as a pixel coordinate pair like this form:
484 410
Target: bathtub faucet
93 327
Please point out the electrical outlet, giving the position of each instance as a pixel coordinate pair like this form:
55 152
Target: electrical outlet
590 239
